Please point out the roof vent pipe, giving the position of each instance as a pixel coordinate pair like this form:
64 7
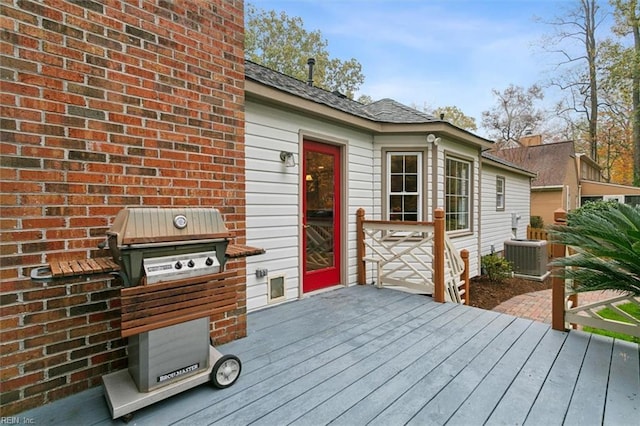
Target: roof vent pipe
311 62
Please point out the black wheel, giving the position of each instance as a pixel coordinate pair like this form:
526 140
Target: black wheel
226 371
127 417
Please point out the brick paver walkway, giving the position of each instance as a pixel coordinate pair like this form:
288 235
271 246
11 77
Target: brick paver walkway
537 305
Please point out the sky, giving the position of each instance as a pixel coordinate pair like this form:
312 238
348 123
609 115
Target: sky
434 53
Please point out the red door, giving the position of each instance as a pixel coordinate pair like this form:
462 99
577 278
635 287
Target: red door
321 216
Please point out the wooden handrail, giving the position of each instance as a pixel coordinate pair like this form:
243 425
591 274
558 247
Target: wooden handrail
464 254
438 256
557 280
362 280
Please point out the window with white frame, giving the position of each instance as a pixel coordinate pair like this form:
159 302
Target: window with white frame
457 194
404 188
500 192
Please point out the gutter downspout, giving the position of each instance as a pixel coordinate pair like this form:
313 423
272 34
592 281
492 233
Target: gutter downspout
480 210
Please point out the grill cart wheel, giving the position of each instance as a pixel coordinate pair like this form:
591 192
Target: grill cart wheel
226 371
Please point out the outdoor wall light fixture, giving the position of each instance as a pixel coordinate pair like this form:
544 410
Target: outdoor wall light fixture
431 138
287 158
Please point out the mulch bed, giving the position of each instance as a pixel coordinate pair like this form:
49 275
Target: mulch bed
487 295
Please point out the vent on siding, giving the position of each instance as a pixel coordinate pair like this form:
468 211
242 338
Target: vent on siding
276 288
528 258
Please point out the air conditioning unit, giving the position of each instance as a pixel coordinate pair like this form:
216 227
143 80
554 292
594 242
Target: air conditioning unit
528 258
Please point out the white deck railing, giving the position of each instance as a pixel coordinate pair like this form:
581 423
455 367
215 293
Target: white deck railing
588 314
407 254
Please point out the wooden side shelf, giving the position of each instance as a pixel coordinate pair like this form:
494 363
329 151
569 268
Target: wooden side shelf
236 250
68 268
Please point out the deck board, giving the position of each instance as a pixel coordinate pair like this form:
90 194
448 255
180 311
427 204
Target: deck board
404 408
551 404
366 359
520 387
587 401
623 391
451 397
314 363
381 397
481 401
363 355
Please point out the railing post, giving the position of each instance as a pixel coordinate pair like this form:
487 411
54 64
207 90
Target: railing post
464 254
362 278
557 280
438 256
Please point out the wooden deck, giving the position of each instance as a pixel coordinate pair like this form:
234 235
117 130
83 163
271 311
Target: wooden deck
362 355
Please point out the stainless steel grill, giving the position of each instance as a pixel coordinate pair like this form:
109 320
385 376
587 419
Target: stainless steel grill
173 243
172 265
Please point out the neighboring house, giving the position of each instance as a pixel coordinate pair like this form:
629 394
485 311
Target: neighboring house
593 189
313 158
565 179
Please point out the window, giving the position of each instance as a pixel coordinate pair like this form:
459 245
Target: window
500 192
457 194
404 179
633 200
585 200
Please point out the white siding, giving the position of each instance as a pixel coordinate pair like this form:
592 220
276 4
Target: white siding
273 194
496 224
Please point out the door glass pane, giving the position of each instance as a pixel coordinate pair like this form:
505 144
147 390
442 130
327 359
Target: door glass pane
319 178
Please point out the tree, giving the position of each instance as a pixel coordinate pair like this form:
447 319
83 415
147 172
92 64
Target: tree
580 79
281 43
455 116
606 239
614 150
615 139
514 115
627 18
365 99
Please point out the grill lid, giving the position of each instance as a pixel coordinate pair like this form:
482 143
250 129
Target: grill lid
143 225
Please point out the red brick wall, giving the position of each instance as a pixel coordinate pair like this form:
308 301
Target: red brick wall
106 104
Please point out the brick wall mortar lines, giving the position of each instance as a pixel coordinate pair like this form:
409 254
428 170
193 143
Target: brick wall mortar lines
106 106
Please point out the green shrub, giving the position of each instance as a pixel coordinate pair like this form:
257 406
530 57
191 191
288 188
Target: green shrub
536 222
497 268
591 207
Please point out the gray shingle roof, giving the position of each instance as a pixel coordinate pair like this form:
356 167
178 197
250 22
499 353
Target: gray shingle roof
390 111
549 161
489 156
384 110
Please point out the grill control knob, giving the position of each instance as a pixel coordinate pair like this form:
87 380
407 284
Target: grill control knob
191 264
209 261
178 265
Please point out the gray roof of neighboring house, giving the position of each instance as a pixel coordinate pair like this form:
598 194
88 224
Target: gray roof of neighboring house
489 156
384 110
549 161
